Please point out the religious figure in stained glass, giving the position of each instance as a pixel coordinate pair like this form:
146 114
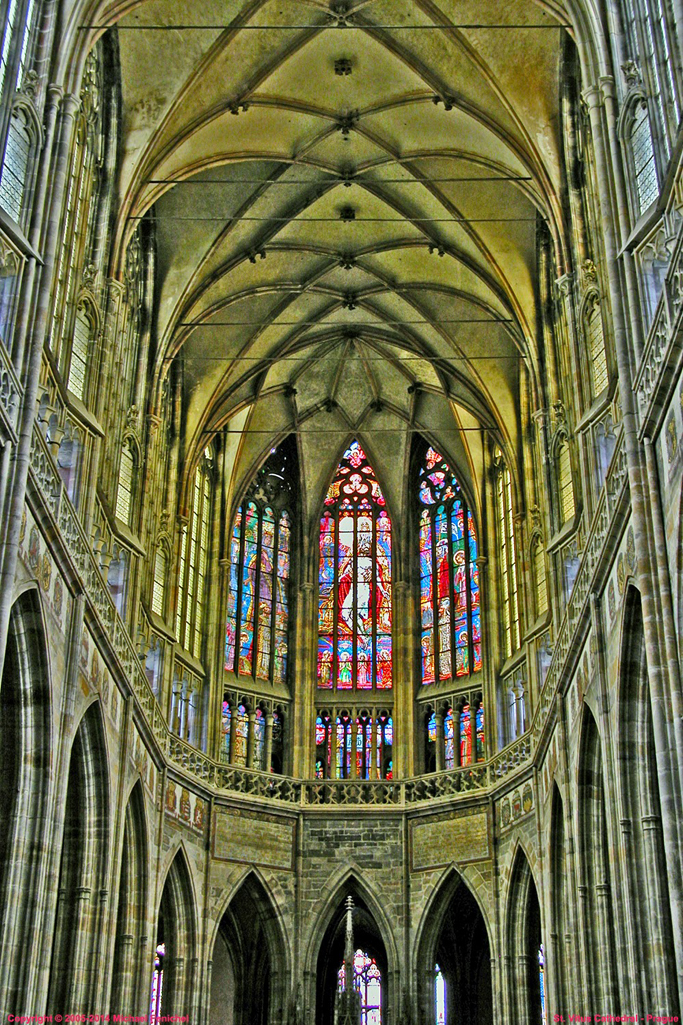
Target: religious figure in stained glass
354 598
449 579
256 633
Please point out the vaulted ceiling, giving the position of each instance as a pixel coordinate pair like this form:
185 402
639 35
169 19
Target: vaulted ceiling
347 198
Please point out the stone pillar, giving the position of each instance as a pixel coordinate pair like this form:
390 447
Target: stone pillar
440 743
354 746
268 746
251 738
334 741
373 747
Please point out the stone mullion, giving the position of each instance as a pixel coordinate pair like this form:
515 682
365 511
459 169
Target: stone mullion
601 106
268 745
402 710
440 742
305 693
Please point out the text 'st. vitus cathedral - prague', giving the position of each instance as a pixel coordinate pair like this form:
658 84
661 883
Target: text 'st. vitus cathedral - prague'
341 463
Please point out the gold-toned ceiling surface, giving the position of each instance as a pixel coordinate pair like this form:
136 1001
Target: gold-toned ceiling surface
347 199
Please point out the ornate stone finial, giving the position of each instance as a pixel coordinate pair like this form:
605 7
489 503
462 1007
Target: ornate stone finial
590 272
632 74
29 84
88 276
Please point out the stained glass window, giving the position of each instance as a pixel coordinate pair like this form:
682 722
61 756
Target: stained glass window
565 483
465 735
479 727
354 601
508 557
439 996
335 754
194 560
449 578
449 737
367 981
541 980
256 636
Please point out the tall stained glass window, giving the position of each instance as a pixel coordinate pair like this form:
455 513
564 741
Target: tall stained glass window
449 578
256 637
367 981
541 982
354 603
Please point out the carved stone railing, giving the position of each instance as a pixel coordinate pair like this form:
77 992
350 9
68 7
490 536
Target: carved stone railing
513 757
568 636
11 394
97 594
374 792
464 780
12 263
663 339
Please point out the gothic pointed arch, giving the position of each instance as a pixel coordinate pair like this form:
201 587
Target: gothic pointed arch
595 868
453 941
559 904
83 868
176 940
373 953
250 960
642 815
524 945
25 745
130 978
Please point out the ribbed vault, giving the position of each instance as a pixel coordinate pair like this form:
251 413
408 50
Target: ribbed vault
347 200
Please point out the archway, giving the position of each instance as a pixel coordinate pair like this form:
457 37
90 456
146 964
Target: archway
455 946
24 779
371 968
525 948
130 979
247 977
82 872
176 941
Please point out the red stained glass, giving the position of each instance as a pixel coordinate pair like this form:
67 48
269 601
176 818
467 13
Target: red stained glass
449 584
354 596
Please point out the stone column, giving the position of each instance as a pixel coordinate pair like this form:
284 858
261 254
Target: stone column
268 746
354 746
334 741
251 738
440 743
373 746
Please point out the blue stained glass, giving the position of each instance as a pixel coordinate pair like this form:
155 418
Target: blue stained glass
354 597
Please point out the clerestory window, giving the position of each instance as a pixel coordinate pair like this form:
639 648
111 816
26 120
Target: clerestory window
449 578
355 599
256 639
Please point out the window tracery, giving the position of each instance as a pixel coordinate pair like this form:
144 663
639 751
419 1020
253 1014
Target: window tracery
370 734
455 733
355 599
449 578
508 556
252 733
367 981
193 561
256 641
